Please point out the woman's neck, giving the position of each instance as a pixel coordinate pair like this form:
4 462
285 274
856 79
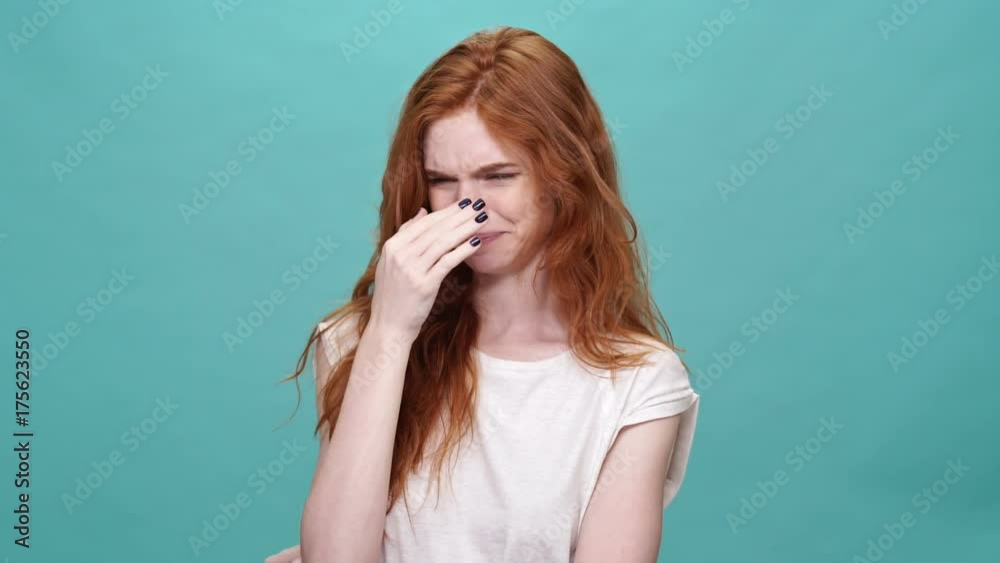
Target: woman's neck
514 312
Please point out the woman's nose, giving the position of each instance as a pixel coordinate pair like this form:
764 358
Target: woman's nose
466 189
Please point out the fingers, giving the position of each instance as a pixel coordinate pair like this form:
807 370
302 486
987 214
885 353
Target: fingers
451 259
420 213
406 224
448 235
288 555
425 220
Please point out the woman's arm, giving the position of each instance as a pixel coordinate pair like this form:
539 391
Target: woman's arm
624 519
344 515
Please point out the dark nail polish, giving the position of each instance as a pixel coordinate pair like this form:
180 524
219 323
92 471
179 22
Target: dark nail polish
464 202
479 204
481 217
475 241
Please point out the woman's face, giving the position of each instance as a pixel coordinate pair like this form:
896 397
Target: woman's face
462 160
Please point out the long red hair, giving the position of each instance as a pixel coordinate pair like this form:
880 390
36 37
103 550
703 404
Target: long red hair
532 98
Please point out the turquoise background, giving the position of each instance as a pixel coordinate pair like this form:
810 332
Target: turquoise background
681 126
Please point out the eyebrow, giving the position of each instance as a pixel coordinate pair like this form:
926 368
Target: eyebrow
480 172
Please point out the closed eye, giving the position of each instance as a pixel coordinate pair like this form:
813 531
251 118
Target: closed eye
506 176
492 177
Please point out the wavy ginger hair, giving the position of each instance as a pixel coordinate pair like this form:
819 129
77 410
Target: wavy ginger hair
533 100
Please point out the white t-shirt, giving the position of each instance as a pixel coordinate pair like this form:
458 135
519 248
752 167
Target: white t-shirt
519 487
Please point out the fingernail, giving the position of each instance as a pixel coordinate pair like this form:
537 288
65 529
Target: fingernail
479 204
481 217
464 202
475 241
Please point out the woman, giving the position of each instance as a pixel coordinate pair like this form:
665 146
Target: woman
497 389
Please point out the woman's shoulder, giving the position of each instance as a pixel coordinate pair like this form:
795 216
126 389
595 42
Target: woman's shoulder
656 352
660 387
337 333
662 371
655 362
342 322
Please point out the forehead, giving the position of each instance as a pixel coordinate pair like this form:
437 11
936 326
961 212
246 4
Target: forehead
461 143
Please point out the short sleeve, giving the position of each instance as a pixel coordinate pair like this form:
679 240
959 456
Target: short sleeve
328 343
659 390
335 338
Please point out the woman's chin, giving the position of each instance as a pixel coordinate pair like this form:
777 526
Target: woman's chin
485 263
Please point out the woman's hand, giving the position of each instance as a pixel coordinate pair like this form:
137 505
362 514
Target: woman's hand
415 261
288 555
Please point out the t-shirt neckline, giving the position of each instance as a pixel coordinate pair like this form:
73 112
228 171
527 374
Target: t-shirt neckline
523 365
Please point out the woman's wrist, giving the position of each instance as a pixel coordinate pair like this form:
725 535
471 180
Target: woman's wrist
389 334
